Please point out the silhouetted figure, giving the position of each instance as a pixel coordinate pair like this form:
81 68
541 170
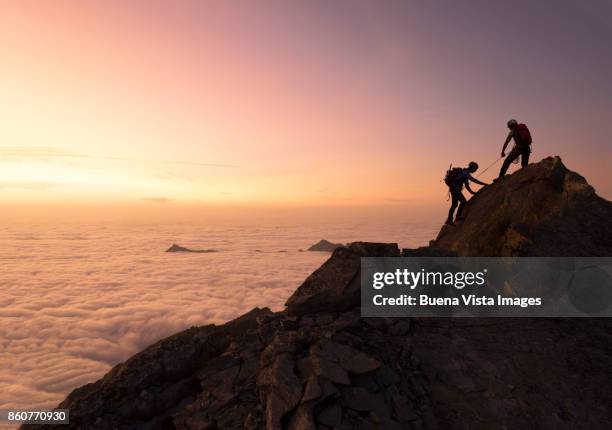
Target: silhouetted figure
522 146
456 178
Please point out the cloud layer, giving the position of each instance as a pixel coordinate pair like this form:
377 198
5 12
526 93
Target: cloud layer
76 300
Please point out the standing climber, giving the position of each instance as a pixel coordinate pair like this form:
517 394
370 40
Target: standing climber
522 146
456 178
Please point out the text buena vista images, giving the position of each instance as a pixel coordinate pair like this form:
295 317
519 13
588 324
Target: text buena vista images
455 279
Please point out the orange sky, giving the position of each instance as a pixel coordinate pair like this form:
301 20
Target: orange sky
294 103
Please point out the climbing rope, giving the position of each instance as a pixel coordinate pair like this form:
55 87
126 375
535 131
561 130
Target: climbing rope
489 166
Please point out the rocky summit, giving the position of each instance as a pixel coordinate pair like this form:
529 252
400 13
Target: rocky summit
319 365
543 210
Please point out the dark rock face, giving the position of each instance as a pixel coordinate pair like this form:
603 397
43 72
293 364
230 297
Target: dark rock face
178 248
318 364
428 251
324 246
517 373
542 210
336 284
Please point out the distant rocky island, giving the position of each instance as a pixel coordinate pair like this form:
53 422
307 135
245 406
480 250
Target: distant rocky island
318 365
324 246
178 248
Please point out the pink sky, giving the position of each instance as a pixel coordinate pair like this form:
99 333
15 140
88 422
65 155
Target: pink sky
286 102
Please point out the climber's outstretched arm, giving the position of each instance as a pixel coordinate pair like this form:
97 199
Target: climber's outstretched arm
467 187
503 153
476 181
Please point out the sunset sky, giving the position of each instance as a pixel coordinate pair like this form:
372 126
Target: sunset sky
287 102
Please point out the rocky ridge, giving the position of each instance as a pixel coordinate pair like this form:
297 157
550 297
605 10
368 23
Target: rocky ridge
318 364
544 209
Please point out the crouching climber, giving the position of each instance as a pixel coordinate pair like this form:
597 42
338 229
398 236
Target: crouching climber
456 178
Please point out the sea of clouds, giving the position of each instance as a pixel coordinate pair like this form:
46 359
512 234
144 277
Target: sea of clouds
77 299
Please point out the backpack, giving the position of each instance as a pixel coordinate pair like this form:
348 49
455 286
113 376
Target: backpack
524 135
452 174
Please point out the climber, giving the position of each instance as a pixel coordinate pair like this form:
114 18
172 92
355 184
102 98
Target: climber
522 146
456 178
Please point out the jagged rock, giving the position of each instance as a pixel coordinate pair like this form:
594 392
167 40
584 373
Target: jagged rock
302 419
387 376
347 319
325 246
178 248
283 342
365 381
350 359
195 422
329 391
331 416
401 408
400 328
326 288
371 249
335 286
541 210
359 399
323 365
283 389
312 391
